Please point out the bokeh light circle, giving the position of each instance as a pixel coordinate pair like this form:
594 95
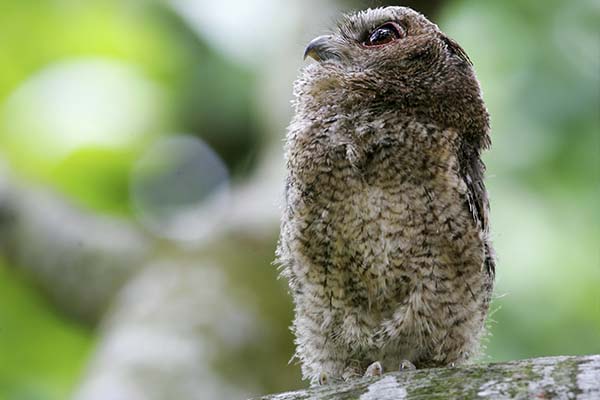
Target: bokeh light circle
180 189
81 103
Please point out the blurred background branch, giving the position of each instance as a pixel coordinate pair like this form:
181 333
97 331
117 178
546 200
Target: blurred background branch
59 248
142 174
171 321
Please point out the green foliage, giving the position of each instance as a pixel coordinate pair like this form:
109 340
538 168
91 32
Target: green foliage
96 177
38 34
41 354
189 88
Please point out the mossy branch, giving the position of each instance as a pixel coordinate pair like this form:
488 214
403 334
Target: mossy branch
566 377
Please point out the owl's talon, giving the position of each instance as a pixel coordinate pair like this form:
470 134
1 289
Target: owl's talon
375 369
323 380
406 365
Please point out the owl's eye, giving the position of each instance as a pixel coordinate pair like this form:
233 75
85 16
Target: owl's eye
385 34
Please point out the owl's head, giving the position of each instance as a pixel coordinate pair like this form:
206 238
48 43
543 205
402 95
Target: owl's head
394 57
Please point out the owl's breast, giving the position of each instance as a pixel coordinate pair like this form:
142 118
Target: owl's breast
372 216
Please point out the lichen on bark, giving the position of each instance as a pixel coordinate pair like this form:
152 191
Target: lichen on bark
564 377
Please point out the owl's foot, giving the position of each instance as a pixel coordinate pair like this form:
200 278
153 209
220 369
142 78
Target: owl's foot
406 365
375 369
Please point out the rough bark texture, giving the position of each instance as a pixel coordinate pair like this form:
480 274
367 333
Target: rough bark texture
566 377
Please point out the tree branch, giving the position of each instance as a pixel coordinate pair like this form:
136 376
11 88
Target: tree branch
566 377
78 259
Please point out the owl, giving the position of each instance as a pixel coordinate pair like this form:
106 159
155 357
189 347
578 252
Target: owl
385 234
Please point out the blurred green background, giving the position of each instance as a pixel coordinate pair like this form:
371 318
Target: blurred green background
87 87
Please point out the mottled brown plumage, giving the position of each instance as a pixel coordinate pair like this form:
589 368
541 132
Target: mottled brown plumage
384 237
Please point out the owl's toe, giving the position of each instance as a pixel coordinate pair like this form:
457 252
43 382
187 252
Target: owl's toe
406 365
375 369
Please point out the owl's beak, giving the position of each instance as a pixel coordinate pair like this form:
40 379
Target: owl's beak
320 49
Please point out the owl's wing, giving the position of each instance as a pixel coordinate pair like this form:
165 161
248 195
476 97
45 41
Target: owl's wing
472 171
